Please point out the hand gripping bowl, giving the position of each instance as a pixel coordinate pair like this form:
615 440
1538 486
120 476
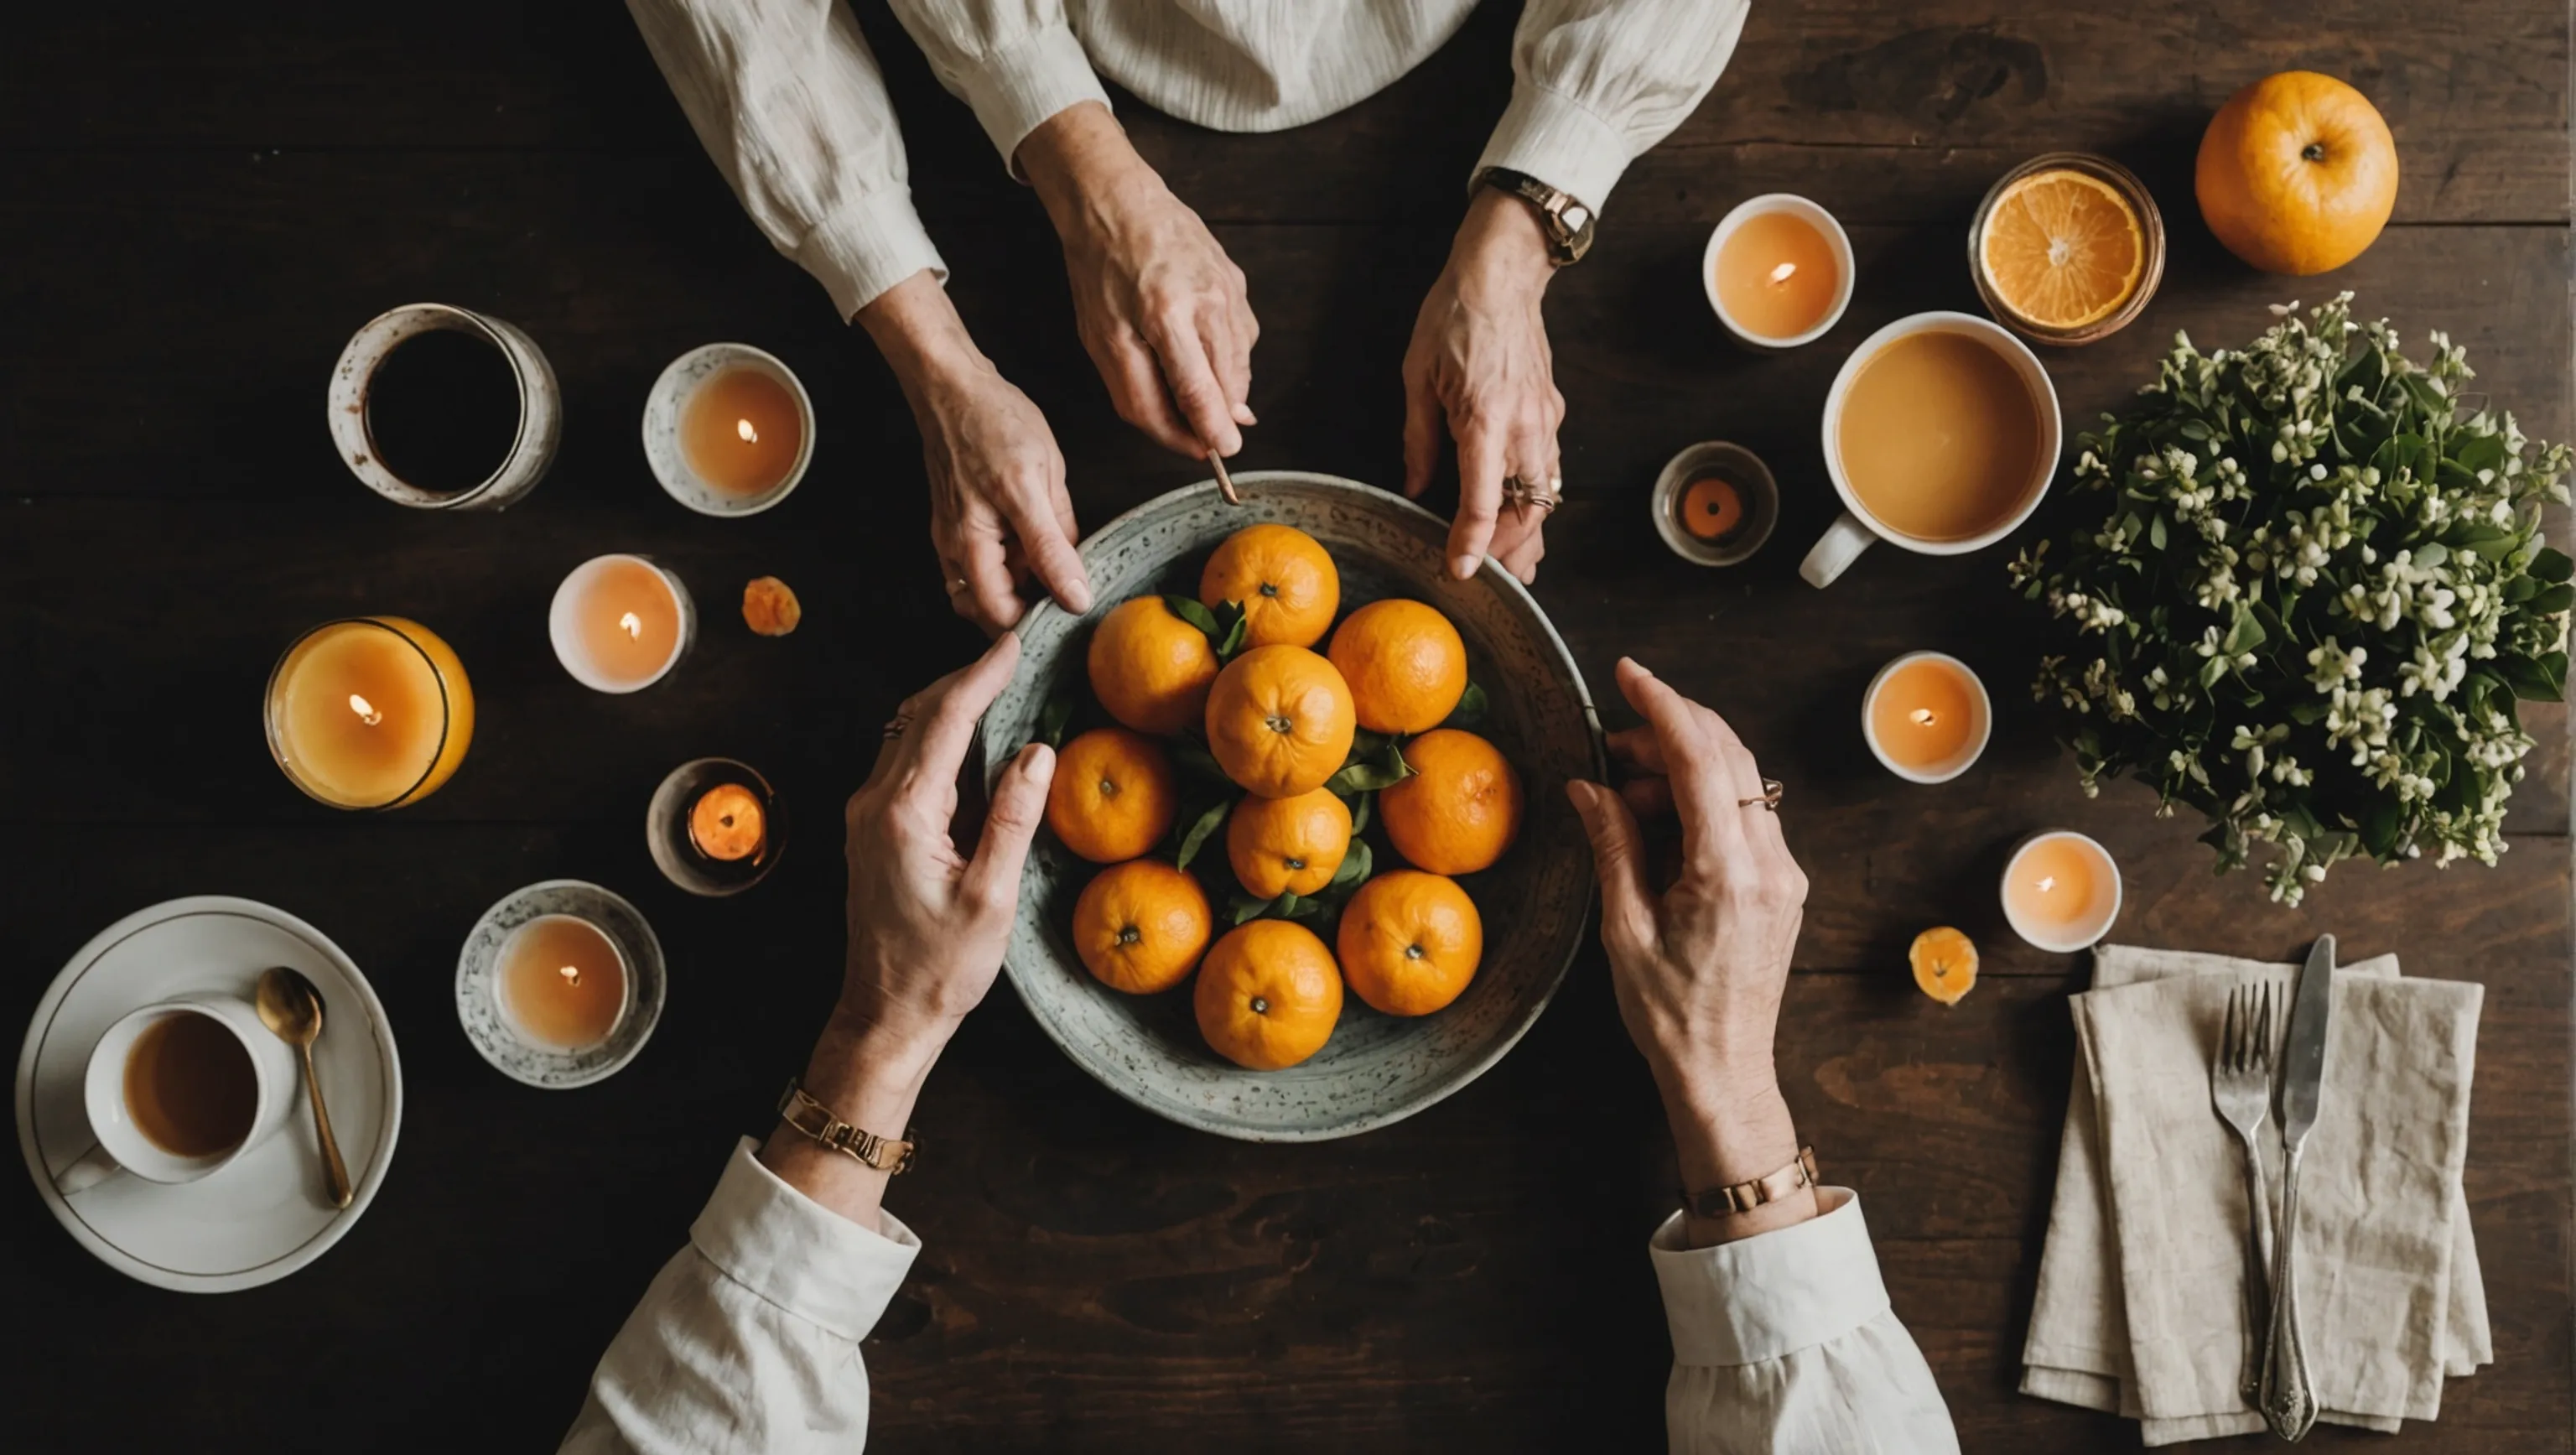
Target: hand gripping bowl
1536 903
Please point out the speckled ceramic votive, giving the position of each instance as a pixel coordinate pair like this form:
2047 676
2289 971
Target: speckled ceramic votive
666 407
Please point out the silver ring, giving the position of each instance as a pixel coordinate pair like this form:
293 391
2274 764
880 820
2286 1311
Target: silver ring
897 727
956 585
1772 790
1522 496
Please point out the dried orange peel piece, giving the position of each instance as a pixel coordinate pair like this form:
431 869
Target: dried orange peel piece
2063 249
1945 964
770 608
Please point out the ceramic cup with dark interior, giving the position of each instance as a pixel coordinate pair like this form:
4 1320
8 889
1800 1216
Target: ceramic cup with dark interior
180 1089
442 408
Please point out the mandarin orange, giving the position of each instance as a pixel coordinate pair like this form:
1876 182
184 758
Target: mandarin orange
1460 809
1405 663
1141 926
1150 669
1113 795
1287 845
1279 721
1268 995
1410 942
1282 578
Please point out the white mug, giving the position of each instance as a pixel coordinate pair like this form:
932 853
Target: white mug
122 1147
1858 529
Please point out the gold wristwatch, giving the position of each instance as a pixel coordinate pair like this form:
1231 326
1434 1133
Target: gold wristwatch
1566 220
817 1121
1744 1197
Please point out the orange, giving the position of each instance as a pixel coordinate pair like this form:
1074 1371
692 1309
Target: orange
1269 995
1283 580
1140 926
1112 798
1712 507
1945 964
1149 668
2297 173
1461 808
2062 249
1410 942
1279 721
1405 664
1287 845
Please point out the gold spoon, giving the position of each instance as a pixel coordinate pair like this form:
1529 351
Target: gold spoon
290 1006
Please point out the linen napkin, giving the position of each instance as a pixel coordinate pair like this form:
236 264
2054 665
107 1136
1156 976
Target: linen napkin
2140 1308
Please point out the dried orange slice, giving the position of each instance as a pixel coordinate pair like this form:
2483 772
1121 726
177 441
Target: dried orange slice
2062 249
1945 964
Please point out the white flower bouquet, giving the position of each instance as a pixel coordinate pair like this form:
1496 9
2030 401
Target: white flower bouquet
2300 590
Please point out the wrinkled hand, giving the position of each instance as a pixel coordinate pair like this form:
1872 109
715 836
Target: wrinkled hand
1161 309
998 507
927 923
1479 362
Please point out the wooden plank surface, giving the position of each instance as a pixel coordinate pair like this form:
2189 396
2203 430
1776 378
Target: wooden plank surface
197 207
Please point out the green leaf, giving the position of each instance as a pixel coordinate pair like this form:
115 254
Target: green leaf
2244 634
1238 625
2482 452
2550 600
1361 806
1294 906
2156 531
1057 712
1192 757
2542 679
1385 770
2212 670
2431 554
1199 831
1471 708
1355 865
1366 745
1244 909
1197 615
2553 564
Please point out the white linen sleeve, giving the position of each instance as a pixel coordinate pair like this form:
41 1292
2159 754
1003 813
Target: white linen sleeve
748 1339
787 99
1597 82
1016 62
1784 1344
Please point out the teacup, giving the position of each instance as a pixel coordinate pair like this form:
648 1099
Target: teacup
181 1089
1862 526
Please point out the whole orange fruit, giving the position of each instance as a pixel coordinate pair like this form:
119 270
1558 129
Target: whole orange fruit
1268 995
1404 661
1410 942
1112 798
1461 808
1279 721
1149 668
1140 926
2297 173
1287 845
1282 578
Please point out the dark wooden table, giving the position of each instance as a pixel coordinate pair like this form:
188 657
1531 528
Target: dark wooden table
198 205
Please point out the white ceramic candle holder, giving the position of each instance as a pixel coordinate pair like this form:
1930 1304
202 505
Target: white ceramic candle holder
1966 758
1814 216
668 404
540 407
563 626
2085 932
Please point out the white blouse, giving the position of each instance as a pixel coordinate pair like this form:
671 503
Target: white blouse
789 102
748 1339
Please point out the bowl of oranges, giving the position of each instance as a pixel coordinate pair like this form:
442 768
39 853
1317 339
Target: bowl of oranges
1308 865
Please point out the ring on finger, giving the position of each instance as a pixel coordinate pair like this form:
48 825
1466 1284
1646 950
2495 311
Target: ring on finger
1772 789
1523 497
897 726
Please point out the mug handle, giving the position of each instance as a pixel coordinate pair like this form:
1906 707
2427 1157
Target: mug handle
87 1171
1834 553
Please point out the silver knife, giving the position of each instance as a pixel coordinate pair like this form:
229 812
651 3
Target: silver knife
2289 1402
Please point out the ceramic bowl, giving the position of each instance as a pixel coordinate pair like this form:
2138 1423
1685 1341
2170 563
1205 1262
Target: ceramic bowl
1536 903
478 1001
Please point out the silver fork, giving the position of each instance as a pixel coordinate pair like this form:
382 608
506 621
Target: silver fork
2240 1086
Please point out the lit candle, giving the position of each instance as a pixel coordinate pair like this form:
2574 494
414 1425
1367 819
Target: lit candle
727 823
562 983
1926 717
619 623
742 431
1779 270
2061 891
371 712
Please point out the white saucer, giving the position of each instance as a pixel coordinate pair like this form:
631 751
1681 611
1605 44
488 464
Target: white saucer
478 1007
266 1215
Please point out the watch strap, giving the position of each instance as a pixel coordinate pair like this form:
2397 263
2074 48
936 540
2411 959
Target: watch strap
1744 1197
1566 219
819 1123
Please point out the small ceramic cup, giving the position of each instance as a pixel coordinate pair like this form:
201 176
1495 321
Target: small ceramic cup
668 403
1753 484
2102 903
563 625
676 851
492 1029
1979 733
540 407
1814 216
123 1147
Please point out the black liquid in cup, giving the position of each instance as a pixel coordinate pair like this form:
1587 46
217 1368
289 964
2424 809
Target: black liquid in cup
443 410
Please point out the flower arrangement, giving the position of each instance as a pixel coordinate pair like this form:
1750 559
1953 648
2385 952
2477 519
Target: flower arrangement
2300 589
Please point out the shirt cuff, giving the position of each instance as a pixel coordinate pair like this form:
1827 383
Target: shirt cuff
798 1254
1556 140
1773 1294
1015 89
867 245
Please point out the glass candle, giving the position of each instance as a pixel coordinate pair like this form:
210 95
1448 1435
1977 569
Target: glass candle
562 983
370 712
1926 717
2061 891
1778 271
620 623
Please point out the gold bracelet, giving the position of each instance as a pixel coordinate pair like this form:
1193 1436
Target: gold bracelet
1744 1197
817 1121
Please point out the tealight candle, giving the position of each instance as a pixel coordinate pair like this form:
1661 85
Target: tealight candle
727 823
370 712
620 623
728 429
2061 891
715 826
1926 716
562 983
1778 271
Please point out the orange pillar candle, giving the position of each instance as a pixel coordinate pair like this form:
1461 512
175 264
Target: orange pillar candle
1779 271
562 983
1926 717
2061 891
371 712
619 623
742 431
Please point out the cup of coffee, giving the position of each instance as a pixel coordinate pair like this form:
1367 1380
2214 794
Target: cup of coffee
180 1089
1941 435
443 408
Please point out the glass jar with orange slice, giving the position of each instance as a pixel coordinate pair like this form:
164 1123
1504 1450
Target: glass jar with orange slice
2067 248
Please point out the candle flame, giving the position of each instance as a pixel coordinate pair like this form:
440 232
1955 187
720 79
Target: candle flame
365 710
632 625
2047 883
1922 717
750 434
571 974
1783 273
